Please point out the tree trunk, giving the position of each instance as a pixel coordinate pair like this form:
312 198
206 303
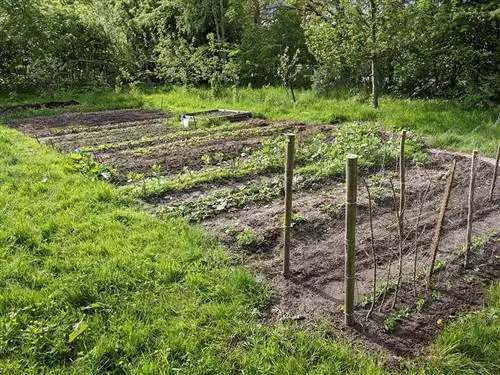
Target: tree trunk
216 21
222 30
374 57
375 82
293 93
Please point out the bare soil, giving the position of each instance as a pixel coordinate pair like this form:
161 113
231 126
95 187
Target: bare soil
52 104
42 126
135 140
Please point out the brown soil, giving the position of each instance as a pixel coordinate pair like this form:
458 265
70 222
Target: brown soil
41 126
315 288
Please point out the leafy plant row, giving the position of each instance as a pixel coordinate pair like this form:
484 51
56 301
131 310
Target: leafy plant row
184 137
318 157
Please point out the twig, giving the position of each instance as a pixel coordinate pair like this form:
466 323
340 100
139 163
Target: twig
388 278
417 236
495 171
439 225
470 212
374 259
402 184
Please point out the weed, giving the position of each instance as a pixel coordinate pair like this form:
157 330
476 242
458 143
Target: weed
419 304
83 163
390 323
245 238
436 295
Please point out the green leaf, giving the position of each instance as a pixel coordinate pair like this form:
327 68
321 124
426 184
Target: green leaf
78 329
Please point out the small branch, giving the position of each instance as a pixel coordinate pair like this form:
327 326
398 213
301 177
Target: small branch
402 187
439 224
374 259
417 236
495 171
470 212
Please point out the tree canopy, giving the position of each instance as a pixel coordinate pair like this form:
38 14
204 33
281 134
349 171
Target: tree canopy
419 48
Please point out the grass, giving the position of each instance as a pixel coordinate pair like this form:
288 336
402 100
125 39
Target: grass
471 345
447 124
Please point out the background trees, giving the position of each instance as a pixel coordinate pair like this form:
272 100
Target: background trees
419 48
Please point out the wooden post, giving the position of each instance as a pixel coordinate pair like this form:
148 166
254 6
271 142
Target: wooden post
350 237
439 224
400 215
472 182
290 152
495 171
402 177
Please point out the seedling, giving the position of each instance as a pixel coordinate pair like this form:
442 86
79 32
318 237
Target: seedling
245 238
420 304
391 322
156 172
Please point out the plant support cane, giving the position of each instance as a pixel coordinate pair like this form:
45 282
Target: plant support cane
290 151
470 213
439 224
350 240
495 172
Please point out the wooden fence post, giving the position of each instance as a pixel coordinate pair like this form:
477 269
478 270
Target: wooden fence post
401 214
439 224
495 171
290 153
350 237
472 183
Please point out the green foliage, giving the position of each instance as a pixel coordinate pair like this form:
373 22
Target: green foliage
262 43
390 323
245 238
456 55
52 45
85 164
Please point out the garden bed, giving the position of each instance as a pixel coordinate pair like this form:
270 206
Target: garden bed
228 178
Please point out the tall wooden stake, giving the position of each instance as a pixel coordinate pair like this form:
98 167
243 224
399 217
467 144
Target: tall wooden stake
290 152
402 198
439 224
374 257
495 171
472 182
350 237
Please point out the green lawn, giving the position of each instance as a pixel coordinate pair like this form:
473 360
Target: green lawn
89 284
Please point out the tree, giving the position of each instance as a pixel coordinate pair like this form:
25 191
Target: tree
347 34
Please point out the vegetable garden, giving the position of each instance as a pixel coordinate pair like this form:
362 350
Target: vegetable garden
228 177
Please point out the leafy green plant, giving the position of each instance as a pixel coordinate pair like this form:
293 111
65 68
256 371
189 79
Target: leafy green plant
206 159
390 323
245 238
419 304
84 163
